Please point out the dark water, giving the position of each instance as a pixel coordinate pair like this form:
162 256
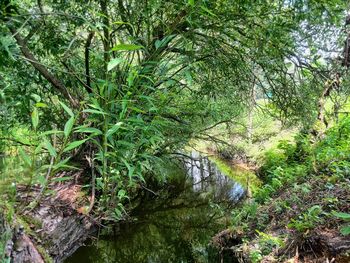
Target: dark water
176 225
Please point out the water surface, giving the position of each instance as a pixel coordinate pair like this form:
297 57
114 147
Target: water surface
176 225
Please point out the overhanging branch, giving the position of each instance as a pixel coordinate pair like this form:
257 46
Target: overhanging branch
41 69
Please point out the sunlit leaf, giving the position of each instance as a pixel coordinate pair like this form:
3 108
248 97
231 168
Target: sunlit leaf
74 144
35 118
68 127
40 105
126 47
112 130
113 63
68 110
50 148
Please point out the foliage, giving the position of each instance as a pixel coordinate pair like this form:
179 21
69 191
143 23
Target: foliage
301 159
268 242
255 256
304 186
307 220
124 84
346 217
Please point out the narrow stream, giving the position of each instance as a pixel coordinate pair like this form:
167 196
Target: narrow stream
175 226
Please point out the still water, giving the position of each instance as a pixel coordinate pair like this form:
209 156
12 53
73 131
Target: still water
174 226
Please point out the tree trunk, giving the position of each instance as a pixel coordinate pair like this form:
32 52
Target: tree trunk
52 231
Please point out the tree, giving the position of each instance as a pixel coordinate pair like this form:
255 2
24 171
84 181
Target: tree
141 78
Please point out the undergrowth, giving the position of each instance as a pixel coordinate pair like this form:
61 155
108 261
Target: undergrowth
306 189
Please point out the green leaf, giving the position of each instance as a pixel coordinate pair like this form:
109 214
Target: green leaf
42 180
126 47
38 148
191 2
40 105
36 97
95 111
50 132
130 168
113 63
74 144
68 110
112 130
164 42
25 157
68 167
50 148
122 194
207 11
61 164
342 215
137 109
35 118
68 127
89 130
345 230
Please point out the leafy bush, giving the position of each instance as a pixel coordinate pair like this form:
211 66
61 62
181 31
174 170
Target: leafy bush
308 220
268 242
255 256
332 153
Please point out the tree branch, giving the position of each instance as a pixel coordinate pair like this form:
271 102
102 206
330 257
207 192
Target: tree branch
41 69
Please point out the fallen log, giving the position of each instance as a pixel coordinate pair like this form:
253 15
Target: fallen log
50 232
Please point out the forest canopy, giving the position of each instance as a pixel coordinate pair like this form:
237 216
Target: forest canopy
119 84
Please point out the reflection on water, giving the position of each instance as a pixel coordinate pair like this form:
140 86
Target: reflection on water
206 176
176 225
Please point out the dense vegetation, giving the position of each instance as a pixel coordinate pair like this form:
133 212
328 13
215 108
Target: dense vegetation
309 189
116 88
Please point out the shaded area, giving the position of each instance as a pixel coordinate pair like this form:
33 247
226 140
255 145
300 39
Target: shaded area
176 226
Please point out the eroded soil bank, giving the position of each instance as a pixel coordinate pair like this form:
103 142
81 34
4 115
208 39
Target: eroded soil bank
270 235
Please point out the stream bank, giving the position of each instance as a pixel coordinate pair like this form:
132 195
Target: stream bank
177 223
302 211
51 231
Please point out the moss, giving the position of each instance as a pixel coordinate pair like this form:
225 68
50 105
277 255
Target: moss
6 235
44 254
6 221
243 176
32 221
23 221
20 220
8 211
